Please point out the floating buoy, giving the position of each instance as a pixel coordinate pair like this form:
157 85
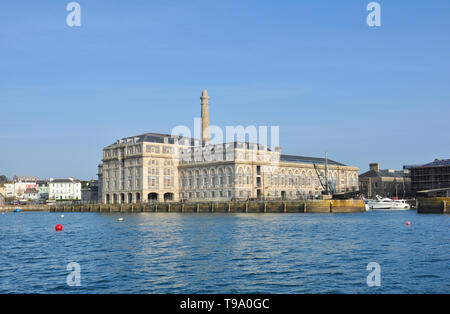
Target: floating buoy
120 219
58 227
62 216
408 223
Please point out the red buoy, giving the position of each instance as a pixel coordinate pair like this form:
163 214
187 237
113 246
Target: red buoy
408 223
58 227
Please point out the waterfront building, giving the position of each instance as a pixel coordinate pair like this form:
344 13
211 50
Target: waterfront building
64 189
89 192
100 184
162 167
9 187
31 194
42 187
19 185
2 199
431 179
3 190
384 182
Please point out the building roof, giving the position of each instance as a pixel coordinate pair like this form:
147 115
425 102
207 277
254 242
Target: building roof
438 163
308 160
383 173
169 139
150 137
25 179
435 163
434 190
63 181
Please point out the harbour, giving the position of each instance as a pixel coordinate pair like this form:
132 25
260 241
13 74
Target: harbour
220 148
437 205
224 253
307 206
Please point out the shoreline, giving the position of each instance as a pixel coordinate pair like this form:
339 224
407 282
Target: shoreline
309 206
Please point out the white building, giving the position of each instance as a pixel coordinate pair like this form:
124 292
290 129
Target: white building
9 189
64 189
19 185
31 194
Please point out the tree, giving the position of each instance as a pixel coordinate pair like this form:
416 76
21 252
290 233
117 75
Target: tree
3 179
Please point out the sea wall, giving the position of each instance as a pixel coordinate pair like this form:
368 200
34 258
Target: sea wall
433 205
310 206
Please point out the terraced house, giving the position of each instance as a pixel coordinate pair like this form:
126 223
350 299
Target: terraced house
162 167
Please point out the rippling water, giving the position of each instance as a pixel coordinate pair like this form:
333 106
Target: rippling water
225 253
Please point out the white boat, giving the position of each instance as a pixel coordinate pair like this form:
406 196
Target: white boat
387 204
401 205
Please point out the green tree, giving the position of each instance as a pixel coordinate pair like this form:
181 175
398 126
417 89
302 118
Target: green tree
3 179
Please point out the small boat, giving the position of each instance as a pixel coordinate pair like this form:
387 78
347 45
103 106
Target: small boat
17 210
401 204
387 204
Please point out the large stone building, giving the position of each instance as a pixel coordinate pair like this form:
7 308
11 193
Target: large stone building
384 182
163 167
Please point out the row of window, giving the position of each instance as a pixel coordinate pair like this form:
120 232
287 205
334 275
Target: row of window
127 172
206 194
132 162
129 185
212 181
136 149
157 149
154 182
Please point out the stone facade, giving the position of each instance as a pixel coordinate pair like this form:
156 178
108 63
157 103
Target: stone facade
160 167
384 182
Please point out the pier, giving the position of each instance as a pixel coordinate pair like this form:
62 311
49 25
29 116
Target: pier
306 206
433 205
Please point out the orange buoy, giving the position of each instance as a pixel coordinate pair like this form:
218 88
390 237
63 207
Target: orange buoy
58 227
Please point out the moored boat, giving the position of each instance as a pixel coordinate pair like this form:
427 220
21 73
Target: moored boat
387 204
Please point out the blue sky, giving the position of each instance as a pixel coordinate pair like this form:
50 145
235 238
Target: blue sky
312 67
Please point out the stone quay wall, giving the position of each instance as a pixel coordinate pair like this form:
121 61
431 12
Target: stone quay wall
310 206
433 205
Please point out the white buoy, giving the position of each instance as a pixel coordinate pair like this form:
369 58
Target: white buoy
120 219
62 216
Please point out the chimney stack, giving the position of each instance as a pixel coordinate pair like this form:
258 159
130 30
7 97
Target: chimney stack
205 116
375 166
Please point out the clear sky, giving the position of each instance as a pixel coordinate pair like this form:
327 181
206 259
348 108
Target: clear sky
314 68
